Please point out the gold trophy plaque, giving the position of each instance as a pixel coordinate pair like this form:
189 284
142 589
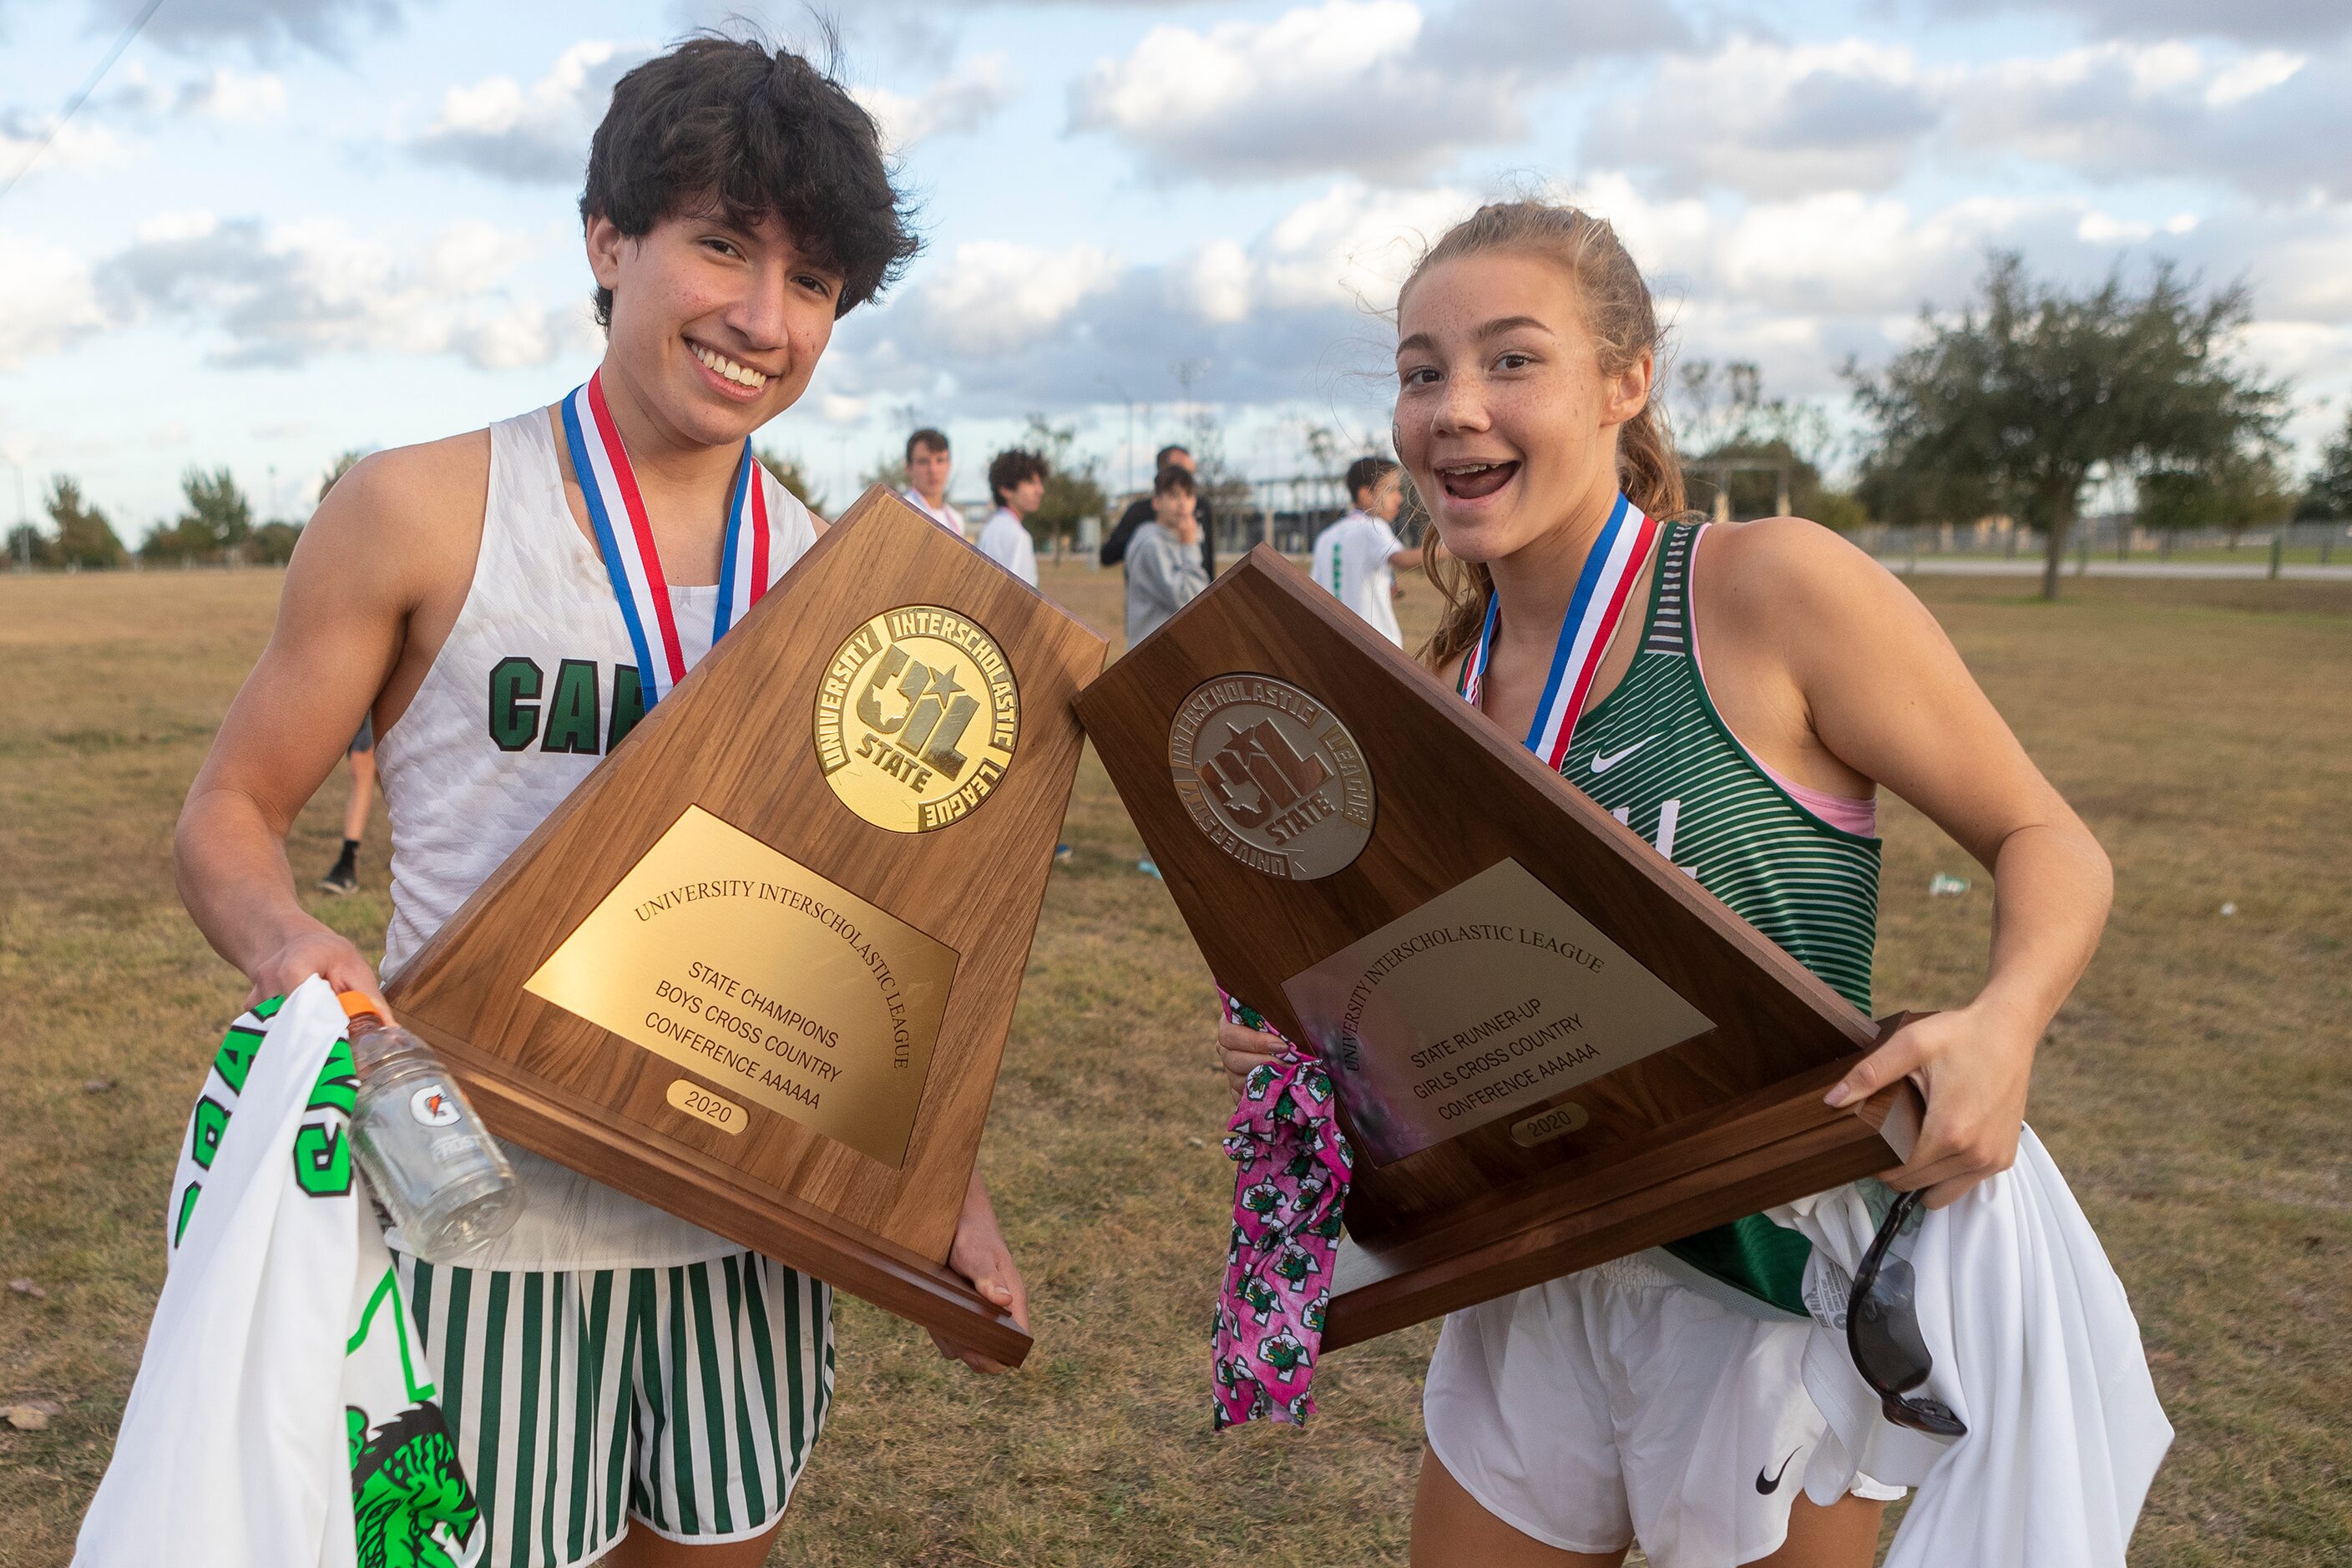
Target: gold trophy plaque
757 968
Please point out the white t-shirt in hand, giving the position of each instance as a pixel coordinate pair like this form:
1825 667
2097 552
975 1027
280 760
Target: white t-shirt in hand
1351 559
1004 541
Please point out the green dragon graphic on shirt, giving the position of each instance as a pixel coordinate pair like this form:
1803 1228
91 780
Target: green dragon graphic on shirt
408 1494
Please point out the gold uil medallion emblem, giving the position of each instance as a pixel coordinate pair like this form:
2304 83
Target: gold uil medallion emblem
917 718
1271 776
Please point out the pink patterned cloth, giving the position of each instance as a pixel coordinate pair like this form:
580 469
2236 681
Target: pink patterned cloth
1291 1184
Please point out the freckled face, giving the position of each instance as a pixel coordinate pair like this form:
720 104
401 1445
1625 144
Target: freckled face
1503 418
716 328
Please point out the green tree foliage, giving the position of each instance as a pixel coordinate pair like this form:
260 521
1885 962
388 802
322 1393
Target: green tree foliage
2034 391
26 547
2247 489
84 537
1073 483
272 543
2329 494
215 527
793 474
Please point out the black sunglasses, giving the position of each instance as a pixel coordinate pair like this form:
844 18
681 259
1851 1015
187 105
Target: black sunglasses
1882 1331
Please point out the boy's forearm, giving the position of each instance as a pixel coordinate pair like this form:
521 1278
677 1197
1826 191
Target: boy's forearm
235 879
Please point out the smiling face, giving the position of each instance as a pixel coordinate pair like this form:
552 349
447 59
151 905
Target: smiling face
715 329
1503 417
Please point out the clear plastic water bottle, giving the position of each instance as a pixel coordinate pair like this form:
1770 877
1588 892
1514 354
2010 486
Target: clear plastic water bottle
439 1175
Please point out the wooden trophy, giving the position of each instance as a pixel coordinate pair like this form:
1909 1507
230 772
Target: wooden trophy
757 968
1550 1047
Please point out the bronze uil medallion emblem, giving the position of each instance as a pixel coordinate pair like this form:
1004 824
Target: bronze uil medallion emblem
1272 777
917 718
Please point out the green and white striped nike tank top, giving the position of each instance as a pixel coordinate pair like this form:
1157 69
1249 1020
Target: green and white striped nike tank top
1657 756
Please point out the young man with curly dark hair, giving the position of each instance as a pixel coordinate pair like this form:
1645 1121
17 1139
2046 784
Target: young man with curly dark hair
1016 482
505 604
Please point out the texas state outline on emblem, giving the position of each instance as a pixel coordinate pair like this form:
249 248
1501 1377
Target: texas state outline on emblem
1271 776
916 718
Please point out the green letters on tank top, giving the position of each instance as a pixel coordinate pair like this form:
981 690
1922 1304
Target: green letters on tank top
1657 756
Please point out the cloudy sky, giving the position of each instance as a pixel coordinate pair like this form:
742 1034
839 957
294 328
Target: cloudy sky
285 227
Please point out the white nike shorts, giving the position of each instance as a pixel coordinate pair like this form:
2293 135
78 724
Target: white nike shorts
1619 1405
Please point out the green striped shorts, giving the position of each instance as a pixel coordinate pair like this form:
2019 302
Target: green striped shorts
685 1399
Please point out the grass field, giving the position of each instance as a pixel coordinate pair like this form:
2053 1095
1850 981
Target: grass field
2195 1092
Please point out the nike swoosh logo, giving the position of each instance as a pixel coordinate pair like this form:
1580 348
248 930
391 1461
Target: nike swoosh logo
1767 1488
1601 764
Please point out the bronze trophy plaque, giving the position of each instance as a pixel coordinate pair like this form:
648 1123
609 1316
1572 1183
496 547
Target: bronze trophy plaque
757 968
1550 1047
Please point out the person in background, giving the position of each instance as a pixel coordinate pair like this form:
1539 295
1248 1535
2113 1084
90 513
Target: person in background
1164 569
1357 557
927 467
1017 479
345 876
1143 509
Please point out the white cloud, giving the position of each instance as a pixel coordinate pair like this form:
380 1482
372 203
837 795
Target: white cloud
535 134
1771 118
234 97
1213 282
77 145
2255 74
1353 245
1377 87
2271 124
1338 86
2248 21
49 303
285 294
266 26
963 101
994 296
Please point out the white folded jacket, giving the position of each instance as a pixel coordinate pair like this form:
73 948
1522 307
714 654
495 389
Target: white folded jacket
2035 1349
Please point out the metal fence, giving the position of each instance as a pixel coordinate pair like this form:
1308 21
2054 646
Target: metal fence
2111 537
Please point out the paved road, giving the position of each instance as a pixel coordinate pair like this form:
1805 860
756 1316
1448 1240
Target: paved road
1982 566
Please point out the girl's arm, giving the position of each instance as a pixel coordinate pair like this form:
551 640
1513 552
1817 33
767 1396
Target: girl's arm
1876 683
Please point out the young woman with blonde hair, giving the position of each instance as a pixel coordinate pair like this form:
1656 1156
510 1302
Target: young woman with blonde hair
1761 681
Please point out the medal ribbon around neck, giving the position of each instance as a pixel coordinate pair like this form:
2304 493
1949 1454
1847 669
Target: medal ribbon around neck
1602 590
625 537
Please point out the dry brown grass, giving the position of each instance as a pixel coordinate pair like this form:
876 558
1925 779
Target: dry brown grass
2194 1090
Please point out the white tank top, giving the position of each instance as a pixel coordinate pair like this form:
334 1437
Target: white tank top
518 706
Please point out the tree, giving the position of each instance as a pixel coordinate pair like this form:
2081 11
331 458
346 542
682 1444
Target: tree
272 543
2244 491
345 461
219 519
84 536
890 474
1723 417
793 474
1072 484
2331 482
2012 407
26 547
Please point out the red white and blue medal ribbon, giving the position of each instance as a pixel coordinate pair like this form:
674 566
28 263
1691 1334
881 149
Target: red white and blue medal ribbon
1602 589
625 537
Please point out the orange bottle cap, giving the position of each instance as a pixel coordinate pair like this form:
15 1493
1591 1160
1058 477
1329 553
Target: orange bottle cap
357 1003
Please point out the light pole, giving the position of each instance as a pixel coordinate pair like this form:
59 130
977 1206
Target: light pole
1122 395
